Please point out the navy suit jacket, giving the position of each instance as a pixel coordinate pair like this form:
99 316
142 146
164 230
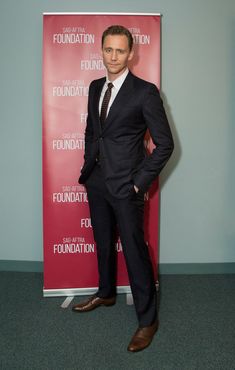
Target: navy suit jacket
120 144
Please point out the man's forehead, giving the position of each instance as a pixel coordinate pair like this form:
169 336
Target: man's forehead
115 40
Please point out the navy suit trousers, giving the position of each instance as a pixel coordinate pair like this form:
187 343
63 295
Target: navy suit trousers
111 217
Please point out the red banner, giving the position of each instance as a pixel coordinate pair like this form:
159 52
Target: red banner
71 60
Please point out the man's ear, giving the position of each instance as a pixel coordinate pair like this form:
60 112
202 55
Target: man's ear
131 55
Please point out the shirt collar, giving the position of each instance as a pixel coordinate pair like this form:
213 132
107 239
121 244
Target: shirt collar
119 81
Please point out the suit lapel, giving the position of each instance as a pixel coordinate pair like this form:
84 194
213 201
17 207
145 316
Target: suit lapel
124 93
98 89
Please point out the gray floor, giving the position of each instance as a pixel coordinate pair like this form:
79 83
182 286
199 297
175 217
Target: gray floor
197 328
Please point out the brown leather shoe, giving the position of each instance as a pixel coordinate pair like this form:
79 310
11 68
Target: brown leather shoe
142 338
93 302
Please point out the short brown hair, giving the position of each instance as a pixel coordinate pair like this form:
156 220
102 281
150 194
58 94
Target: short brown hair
118 30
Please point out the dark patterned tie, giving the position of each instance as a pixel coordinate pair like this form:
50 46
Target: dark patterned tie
105 103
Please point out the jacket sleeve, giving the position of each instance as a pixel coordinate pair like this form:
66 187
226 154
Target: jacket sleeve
89 129
157 123
89 138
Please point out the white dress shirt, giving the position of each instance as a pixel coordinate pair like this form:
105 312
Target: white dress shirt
116 87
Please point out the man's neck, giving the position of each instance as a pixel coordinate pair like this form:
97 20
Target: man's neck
112 77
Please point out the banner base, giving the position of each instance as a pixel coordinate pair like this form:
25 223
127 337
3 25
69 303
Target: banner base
79 291
84 291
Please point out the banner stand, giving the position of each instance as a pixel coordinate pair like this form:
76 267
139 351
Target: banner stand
71 60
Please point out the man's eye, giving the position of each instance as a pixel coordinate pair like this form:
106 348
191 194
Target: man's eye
121 51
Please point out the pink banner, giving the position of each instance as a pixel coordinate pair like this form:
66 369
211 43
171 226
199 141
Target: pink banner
71 60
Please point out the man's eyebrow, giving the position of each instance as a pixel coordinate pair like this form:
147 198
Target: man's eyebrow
109 47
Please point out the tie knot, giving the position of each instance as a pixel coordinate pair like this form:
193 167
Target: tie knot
110 85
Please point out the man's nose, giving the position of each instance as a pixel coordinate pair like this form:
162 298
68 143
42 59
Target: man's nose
114 55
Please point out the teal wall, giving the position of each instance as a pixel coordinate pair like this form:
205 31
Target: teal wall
198 86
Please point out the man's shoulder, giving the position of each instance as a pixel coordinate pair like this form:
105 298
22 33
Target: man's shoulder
140 82
97 82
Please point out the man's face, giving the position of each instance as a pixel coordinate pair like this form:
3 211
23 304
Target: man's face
116 55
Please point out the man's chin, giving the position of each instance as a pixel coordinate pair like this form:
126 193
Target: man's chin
116 71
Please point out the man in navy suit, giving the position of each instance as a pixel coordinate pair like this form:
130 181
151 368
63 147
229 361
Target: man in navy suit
117 172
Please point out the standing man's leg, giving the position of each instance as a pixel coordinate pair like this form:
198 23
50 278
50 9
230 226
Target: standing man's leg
130 216
104 230
129 213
